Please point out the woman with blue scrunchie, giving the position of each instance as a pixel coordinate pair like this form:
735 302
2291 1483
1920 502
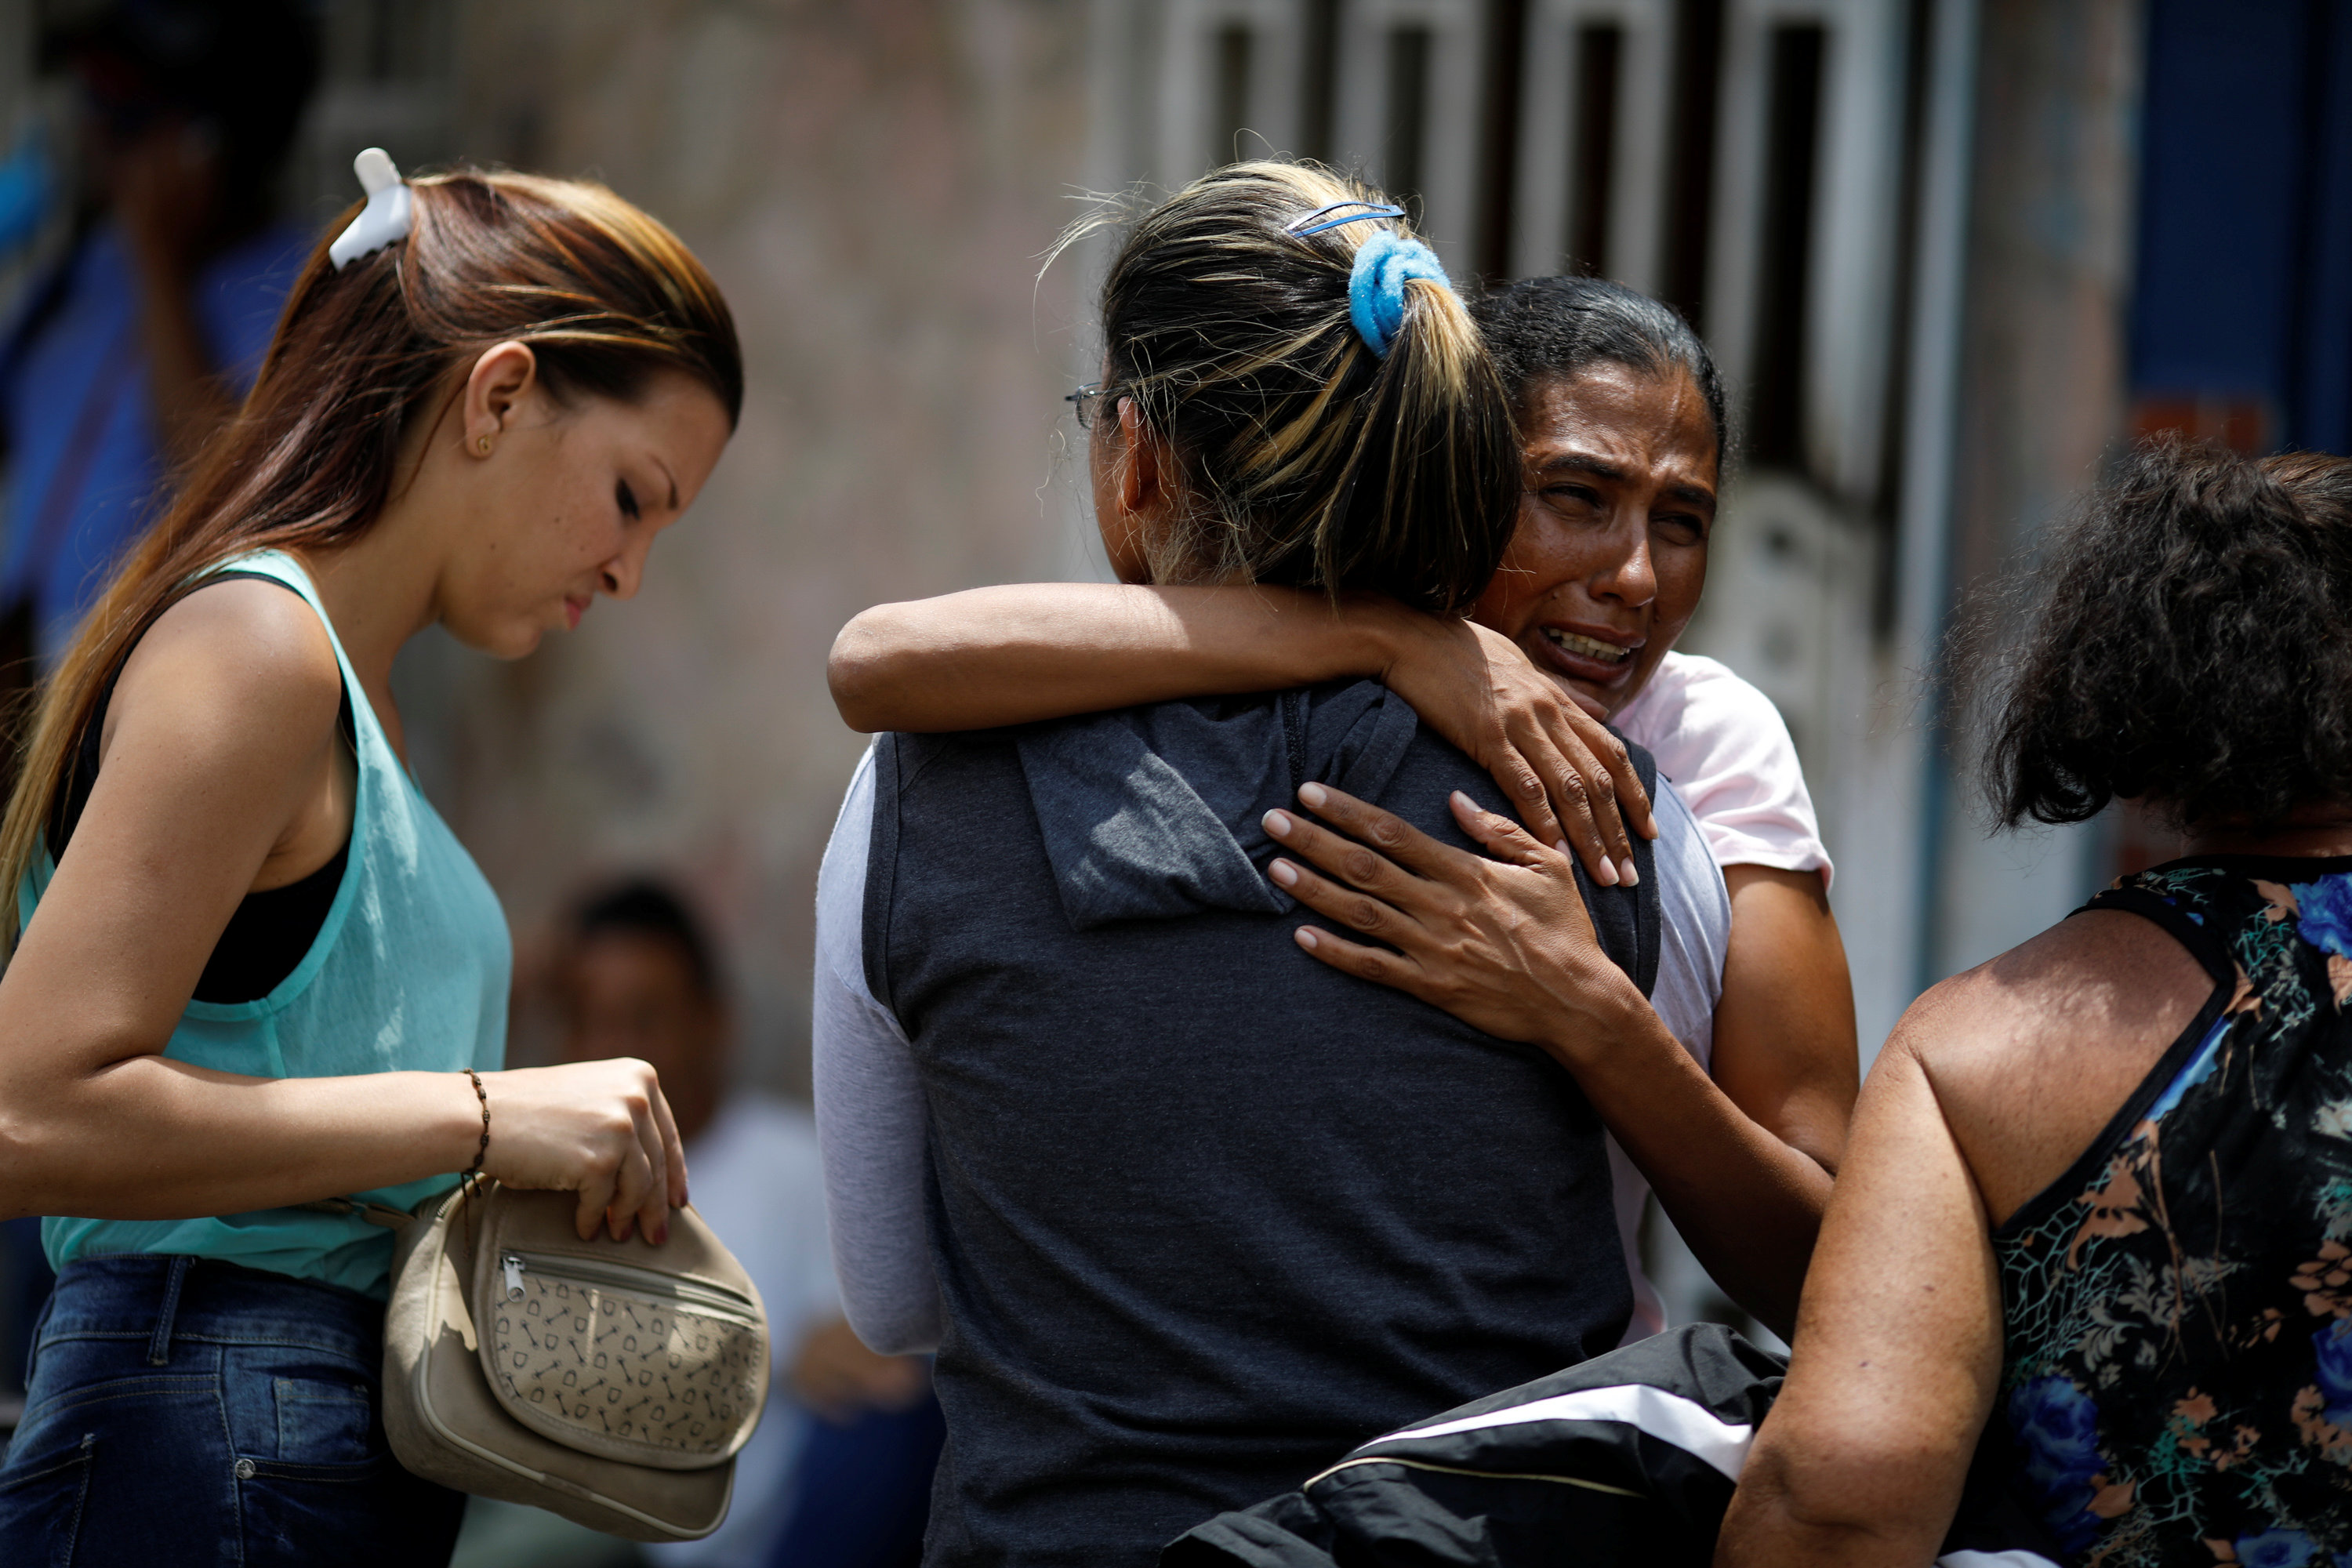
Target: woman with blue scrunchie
1186 1213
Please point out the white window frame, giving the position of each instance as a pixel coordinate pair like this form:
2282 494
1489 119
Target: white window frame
1449 163
1548 114
1857 180
1278 69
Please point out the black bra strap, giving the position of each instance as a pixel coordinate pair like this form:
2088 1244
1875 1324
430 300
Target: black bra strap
81 767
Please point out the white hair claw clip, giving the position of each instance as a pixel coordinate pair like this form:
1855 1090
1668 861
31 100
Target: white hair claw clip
385 219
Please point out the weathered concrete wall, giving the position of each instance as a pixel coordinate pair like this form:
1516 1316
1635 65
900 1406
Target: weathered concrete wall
2050 265
2050 258
872 186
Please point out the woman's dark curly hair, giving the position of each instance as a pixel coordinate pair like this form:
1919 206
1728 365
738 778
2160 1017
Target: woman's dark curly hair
2189 646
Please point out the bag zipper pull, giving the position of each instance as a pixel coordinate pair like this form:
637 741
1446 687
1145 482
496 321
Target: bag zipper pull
512 1265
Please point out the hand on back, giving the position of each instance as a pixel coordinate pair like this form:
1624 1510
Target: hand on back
1503 942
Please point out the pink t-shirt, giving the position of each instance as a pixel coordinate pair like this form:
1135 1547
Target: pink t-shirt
1728 752
1729 755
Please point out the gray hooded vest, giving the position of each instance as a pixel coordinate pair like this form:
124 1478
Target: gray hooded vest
1205 1213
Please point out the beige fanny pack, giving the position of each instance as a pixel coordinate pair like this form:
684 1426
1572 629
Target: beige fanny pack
612 1383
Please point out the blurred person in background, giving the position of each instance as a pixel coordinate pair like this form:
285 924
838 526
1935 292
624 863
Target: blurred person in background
838 1473
130 353
639 979
127 354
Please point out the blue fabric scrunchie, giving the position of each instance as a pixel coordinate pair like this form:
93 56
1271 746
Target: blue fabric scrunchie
1385 262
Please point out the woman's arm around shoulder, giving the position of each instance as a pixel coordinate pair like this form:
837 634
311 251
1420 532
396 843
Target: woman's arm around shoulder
1027 652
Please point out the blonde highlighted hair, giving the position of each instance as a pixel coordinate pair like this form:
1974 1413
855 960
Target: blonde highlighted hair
1308 459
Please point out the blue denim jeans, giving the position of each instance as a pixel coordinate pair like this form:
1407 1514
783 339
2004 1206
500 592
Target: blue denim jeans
185 1411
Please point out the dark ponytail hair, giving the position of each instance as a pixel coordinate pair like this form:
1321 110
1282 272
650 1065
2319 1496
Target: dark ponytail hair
606 297
1542 328
1308 459
2185 640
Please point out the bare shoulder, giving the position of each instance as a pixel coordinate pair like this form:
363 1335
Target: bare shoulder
2031 1054
242 658
2096 974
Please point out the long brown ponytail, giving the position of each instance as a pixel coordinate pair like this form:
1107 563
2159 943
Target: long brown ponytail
605 294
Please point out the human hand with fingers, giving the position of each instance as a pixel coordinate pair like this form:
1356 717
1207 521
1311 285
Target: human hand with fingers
601 1130
1016 654
1505 944
1565 773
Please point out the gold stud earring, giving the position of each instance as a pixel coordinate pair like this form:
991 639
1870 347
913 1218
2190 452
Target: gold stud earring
483 443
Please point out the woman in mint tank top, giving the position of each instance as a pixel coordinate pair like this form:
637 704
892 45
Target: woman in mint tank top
252 968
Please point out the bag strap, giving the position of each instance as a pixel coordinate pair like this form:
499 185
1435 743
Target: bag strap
383 1214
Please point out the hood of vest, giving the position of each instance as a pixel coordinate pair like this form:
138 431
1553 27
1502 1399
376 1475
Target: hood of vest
1152 813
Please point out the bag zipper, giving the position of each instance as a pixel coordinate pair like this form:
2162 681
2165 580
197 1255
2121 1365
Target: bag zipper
715 1299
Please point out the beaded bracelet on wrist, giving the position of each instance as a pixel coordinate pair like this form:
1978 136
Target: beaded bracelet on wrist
483 1151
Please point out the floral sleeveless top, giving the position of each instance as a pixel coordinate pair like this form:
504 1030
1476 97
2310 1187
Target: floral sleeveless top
2176 1378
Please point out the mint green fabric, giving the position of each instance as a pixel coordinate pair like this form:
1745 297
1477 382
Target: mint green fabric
410 972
